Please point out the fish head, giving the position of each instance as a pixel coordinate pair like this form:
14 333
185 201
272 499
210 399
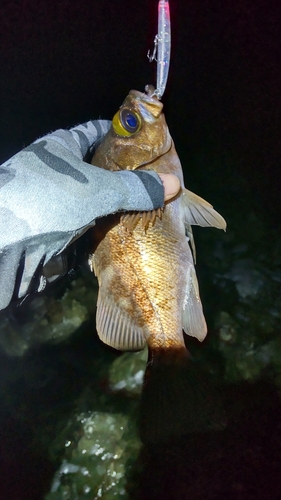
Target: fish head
138 136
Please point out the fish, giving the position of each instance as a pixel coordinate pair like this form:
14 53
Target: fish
148 289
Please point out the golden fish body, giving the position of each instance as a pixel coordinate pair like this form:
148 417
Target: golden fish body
148 290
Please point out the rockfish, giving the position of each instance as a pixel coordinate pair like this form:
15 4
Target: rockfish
148 290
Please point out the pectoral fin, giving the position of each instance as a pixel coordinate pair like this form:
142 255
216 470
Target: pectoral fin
116 327
193 320
199 212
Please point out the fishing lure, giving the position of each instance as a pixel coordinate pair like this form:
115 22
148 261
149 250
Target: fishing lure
162 47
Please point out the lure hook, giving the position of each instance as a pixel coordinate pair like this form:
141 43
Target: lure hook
155 45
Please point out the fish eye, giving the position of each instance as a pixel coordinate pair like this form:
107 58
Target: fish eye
129 120
126 122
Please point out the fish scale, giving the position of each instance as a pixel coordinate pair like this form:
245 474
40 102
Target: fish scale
155 261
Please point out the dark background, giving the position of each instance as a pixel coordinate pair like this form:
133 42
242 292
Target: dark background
65 62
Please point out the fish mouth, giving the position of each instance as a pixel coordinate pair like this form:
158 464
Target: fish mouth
146 96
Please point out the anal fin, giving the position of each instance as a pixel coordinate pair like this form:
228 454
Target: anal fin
193 320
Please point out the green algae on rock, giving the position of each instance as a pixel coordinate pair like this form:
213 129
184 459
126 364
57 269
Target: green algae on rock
98 465
48 320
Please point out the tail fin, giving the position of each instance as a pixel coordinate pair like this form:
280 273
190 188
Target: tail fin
177 398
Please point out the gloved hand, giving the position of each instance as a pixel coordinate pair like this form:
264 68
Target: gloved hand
49 197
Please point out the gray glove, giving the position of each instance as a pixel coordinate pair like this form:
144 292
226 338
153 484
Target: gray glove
49 197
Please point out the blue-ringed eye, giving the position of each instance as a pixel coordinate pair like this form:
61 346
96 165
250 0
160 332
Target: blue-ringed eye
129 120
126 122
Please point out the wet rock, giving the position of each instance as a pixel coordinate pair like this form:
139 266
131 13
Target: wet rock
48 319
97 465
127 371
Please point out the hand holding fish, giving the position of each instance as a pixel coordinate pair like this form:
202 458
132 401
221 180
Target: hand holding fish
171 185
49 197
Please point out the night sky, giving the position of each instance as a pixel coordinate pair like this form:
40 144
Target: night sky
65 62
